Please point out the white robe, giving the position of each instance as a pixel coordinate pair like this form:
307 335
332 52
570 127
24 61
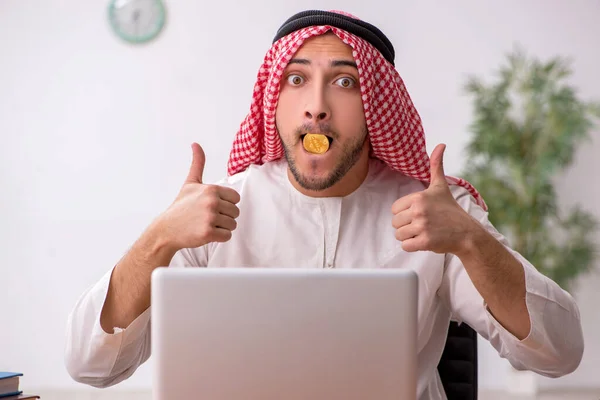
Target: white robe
280 227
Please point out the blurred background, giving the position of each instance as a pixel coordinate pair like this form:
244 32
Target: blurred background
96 131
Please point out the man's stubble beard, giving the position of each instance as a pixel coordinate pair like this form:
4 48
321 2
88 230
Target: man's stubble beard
351 153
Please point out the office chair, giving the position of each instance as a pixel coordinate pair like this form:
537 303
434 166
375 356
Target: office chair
458 364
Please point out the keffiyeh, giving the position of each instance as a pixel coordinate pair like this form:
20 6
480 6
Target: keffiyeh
395 129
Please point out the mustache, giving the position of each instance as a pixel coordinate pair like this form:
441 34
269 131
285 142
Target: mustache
323 129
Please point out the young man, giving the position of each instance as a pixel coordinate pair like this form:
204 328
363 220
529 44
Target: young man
329 170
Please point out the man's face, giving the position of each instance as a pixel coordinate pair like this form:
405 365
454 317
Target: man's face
320 93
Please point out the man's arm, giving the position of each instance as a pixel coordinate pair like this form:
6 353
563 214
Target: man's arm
526 316
199 215
129 287
108 330
499 277
433 220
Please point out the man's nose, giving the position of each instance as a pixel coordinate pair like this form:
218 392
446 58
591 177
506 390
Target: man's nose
317 109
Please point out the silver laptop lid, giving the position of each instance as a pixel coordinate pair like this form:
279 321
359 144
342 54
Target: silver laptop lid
273 334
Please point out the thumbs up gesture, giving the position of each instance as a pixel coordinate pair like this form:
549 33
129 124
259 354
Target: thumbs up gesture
201 213
432 220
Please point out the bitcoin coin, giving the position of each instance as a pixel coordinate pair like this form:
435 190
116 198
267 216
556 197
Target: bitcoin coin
316 143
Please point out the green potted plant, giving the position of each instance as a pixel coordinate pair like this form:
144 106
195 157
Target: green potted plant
526 129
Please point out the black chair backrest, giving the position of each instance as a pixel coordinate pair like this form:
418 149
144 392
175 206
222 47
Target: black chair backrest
458 365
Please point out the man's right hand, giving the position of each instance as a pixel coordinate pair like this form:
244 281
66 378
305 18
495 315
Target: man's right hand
201 213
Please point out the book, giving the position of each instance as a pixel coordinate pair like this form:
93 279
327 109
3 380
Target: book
21 397
9 384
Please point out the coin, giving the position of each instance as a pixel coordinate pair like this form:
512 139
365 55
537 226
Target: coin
316 143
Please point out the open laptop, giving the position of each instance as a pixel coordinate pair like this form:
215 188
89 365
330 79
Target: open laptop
284 334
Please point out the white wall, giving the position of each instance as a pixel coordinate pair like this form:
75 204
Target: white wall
95 133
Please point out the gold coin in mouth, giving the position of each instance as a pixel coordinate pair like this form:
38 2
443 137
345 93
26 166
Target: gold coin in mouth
315 143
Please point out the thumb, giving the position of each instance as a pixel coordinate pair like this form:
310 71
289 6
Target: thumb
197 167
438 177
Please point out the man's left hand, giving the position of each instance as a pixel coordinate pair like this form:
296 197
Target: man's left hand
432 220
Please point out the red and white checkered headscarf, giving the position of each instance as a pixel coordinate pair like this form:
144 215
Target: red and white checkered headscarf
394 126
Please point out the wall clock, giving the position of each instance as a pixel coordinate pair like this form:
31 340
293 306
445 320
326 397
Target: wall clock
136 21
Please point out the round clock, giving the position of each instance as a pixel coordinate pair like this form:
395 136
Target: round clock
136 21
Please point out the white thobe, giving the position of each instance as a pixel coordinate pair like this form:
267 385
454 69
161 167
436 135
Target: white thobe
278 227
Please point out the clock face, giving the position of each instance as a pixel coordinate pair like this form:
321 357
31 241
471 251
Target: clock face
136 21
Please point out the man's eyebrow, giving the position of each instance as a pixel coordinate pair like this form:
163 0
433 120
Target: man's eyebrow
302 61
334 63
340 63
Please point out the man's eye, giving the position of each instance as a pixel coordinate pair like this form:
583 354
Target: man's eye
345 82
295 79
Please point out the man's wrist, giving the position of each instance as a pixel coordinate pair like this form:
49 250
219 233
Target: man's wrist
158 244
473 239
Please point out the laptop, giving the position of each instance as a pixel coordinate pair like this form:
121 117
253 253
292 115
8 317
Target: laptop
284 334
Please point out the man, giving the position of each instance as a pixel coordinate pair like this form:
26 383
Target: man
366 196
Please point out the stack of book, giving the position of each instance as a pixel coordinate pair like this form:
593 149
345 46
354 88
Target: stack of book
9 387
